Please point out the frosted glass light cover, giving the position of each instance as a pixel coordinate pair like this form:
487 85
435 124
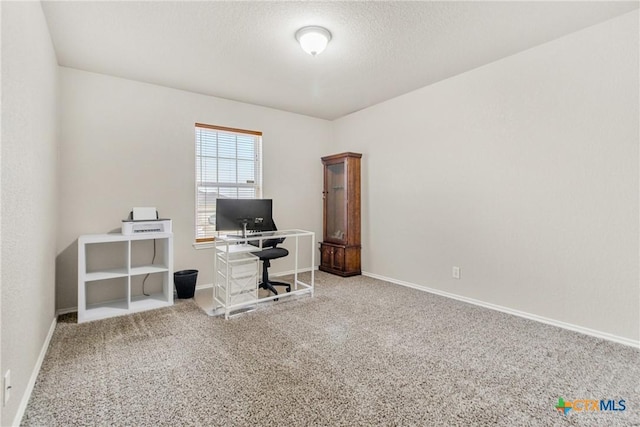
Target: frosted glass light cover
313 40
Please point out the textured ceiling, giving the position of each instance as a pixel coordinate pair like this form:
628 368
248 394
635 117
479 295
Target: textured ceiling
246 51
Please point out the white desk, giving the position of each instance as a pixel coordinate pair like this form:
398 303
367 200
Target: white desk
236 279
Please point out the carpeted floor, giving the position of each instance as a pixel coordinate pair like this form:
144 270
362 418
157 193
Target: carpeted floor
361 352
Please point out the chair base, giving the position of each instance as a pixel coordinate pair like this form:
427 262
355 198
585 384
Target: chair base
270 286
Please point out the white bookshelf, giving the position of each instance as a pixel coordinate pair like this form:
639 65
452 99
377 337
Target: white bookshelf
119 274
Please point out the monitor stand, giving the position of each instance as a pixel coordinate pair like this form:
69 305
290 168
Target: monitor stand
244 232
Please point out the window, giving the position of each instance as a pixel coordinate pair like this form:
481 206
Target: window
228 165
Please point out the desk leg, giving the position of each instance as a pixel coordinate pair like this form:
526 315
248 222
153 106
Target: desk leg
313 263
215 277
295 268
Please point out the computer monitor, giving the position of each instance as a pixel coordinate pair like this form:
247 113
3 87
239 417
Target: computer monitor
244 214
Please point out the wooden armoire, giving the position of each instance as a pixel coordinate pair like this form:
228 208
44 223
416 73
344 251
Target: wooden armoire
340 246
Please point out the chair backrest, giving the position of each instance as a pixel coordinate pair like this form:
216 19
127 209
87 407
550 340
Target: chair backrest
268 243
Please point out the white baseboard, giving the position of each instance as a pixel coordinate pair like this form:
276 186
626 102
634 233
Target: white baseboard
66 311
541 319
34 374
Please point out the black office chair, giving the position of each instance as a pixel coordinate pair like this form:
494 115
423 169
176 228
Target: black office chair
270 251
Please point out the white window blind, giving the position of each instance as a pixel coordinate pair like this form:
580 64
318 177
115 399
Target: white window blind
228 165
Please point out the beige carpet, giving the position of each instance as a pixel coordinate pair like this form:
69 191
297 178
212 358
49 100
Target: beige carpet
361 352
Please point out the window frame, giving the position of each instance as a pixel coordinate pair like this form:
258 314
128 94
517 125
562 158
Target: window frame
199 209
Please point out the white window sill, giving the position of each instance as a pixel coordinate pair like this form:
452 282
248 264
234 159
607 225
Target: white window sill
203 245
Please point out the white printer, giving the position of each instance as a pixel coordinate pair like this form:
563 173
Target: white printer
145 220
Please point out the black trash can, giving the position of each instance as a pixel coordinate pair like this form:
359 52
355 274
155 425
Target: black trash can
185 282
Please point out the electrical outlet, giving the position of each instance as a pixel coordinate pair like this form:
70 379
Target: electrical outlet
6 387
455 272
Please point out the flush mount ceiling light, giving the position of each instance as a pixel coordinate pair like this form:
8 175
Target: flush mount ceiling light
313 39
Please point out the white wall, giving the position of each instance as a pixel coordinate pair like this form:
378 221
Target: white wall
29 192
126 144
523 172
